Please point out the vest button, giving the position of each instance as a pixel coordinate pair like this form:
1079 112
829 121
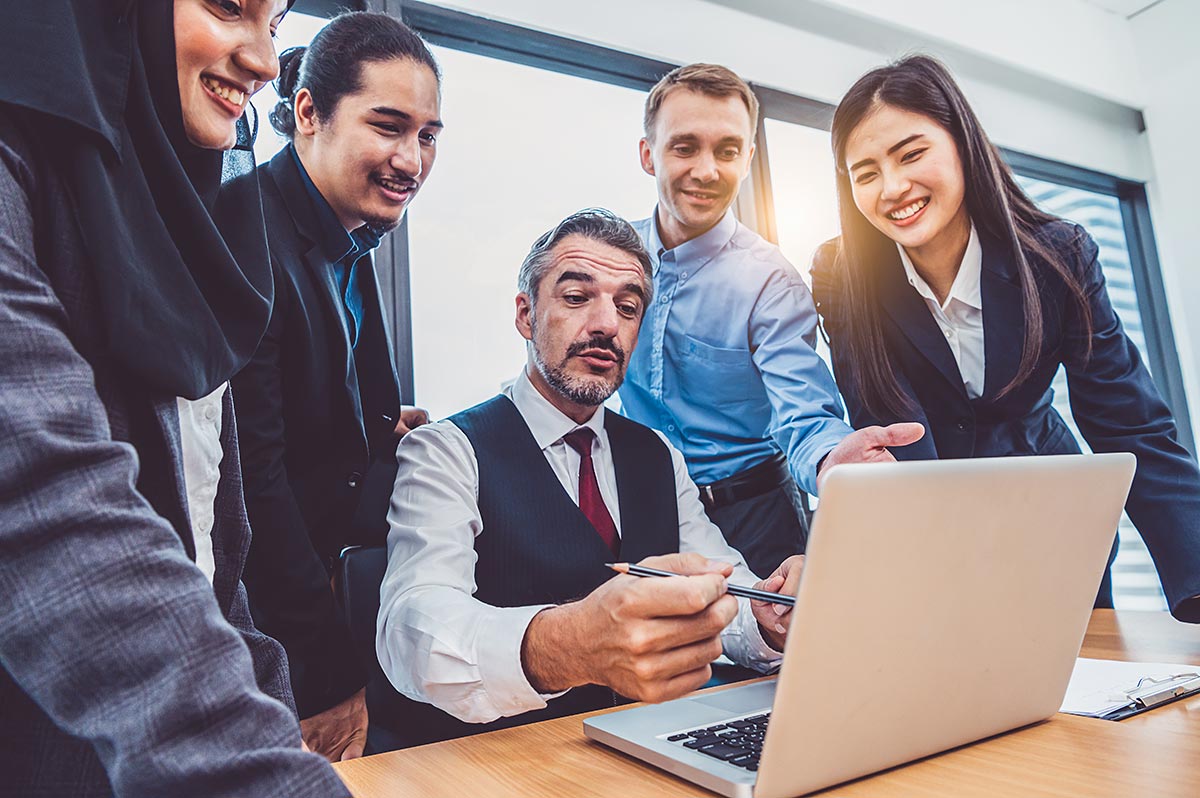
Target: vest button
963 425
353 481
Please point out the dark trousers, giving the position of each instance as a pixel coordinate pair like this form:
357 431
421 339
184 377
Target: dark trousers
766 529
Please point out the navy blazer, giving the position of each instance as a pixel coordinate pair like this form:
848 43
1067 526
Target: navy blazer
318 449
1113 399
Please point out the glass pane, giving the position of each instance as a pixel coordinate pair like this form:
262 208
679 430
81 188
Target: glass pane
802 186
296 30
1135 582
522 148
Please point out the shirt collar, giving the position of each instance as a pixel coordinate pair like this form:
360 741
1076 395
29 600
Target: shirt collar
333 239
966 286
699 250
547 423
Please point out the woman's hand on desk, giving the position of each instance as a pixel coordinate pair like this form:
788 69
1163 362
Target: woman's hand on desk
776 619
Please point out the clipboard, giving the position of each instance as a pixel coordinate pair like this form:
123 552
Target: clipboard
1149 693
1112 690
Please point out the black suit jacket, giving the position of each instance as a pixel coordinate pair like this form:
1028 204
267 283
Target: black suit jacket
318 452
1113 399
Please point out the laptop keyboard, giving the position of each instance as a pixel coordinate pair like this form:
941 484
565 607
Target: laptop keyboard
738 742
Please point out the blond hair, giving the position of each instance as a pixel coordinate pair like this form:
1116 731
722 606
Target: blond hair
713 80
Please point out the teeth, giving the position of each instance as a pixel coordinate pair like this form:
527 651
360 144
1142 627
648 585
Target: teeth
908 211
393 185
235 96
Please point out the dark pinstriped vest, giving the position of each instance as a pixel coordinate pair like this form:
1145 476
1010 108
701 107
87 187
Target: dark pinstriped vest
537 547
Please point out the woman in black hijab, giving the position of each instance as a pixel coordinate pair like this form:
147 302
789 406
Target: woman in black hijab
133 284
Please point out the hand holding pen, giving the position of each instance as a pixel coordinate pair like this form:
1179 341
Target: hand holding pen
770 599
775 619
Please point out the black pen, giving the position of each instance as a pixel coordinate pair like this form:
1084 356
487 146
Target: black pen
736 590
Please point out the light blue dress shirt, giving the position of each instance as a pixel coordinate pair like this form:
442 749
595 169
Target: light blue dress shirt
725 365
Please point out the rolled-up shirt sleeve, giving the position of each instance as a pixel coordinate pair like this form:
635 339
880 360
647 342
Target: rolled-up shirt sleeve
742 640
436 642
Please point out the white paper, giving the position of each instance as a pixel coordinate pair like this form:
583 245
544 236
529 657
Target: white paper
1098 686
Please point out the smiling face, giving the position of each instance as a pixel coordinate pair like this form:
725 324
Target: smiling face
907 180
584 324
223 54
699 154
376 149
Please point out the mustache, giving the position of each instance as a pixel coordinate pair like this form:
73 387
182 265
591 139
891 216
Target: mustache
399 177
598 342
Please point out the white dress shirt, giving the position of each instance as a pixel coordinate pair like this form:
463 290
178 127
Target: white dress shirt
200 439
960 317
439 644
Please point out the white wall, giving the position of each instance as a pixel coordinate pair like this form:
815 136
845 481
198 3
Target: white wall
1165 37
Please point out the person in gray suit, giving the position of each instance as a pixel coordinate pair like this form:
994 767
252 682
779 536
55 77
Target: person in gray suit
133 284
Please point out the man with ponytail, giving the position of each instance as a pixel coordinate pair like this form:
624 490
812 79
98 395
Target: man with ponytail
319 404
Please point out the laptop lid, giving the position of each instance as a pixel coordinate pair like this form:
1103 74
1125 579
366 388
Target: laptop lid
941 602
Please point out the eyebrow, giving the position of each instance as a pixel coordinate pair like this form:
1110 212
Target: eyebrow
891 149
691 137
407 117
583 277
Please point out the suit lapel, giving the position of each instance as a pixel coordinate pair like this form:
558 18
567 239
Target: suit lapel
331 298
1003 316
282 169
911 314
166 416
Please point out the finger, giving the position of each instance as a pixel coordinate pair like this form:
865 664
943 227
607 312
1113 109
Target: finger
414 416
664 634
771 584
764 613
665 665
354 749
901 434
681 685
674 596
689 563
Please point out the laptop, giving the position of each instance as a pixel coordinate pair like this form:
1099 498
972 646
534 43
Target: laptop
941 602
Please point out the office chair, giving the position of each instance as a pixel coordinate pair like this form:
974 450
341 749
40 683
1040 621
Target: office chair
356 581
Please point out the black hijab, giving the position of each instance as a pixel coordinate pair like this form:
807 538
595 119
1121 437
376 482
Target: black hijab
178 254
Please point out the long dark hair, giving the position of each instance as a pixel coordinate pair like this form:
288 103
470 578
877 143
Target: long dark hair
331 66
995 203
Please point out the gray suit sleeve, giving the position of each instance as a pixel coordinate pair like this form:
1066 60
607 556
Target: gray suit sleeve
104 621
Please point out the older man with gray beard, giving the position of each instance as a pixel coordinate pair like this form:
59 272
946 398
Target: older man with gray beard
497 608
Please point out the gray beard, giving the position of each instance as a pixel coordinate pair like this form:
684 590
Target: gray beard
588 393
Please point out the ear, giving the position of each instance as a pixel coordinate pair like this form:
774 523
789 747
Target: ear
306 112
647 156
524 320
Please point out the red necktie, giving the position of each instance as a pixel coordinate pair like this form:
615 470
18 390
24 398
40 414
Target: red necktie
590 500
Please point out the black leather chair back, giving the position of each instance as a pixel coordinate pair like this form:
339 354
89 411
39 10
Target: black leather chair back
357 580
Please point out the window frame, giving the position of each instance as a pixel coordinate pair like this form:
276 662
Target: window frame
755 207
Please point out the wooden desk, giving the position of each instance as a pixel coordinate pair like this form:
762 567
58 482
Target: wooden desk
1154 754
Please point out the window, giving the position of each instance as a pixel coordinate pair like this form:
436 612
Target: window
539 126
523 148
296 30
804 196
1135 581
